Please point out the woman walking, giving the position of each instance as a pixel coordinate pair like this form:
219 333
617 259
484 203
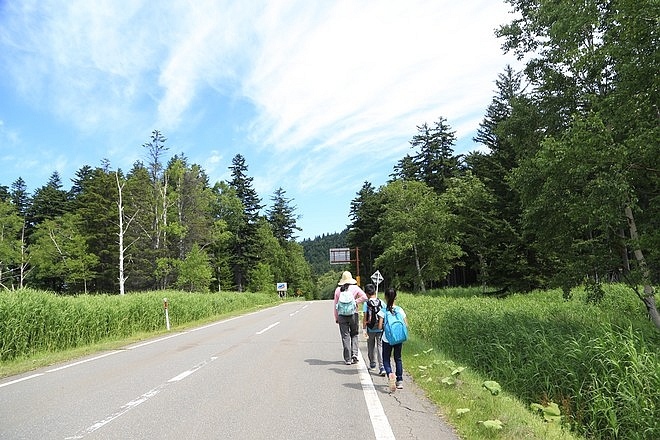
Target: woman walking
347 297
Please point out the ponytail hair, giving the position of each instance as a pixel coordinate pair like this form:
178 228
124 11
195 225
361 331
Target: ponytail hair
390 296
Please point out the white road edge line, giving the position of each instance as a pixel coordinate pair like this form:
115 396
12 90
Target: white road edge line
133 347
213 324
20 380
153 341
83 361
268 328
379 422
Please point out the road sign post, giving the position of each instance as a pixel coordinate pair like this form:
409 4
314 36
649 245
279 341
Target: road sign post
377 278
281 289
343 256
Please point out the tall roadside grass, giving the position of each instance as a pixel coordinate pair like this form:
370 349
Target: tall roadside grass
473 411
35 322
599 363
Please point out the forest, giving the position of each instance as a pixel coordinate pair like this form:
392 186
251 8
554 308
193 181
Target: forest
562 189
159 226
565 190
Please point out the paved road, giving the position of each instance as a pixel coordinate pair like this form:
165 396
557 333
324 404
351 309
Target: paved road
273 374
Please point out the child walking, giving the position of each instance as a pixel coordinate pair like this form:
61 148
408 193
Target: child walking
395 378
370 325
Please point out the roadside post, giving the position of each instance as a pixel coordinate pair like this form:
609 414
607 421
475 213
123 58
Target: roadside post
377 278
167 313
281 289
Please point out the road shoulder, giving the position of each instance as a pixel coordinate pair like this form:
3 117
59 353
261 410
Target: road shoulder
411 414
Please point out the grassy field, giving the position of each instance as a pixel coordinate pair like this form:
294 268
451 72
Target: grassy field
38 327
591 368
523 367
467 405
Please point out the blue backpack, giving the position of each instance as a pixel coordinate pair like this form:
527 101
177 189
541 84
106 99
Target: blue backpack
395 328
346 305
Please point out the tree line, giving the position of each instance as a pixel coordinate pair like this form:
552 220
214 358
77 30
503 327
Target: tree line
317 252
565 188
160 225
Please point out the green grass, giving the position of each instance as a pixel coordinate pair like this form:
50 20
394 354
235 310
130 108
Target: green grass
40 327
466 404
41 359
600 364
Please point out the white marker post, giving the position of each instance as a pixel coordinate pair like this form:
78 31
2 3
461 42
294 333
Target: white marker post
167 314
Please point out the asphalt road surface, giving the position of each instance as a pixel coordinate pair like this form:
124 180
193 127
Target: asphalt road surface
273 374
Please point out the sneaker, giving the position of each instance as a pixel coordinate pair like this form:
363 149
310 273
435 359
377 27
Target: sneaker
399 384
347 362
372 365
392 382
381 373
354 361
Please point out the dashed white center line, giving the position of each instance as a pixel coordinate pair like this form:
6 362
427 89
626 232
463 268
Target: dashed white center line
138 401
123 410
268 328
298 310
192 370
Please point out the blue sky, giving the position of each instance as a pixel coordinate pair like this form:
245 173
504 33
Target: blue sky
318 96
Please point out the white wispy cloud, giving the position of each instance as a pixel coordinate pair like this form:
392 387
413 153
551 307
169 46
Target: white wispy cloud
364 75
331 84
8 136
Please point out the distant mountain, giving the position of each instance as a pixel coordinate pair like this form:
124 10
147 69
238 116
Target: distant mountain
317 251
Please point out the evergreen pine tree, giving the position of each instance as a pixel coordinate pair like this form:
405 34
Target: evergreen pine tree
282 218
245 235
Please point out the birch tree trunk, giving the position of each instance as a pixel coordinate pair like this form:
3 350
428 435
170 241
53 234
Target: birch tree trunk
120 233
24 258
164 207
647 297
422 286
